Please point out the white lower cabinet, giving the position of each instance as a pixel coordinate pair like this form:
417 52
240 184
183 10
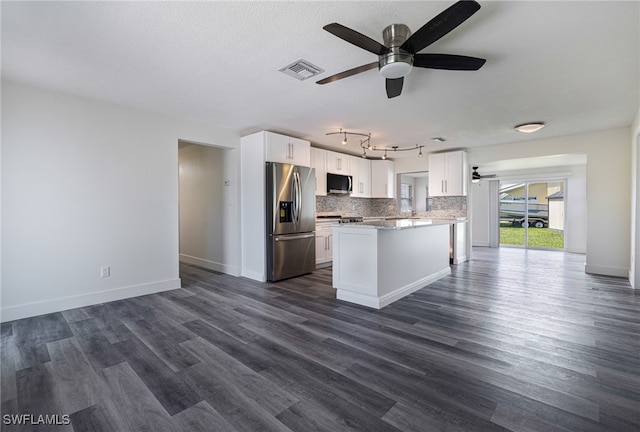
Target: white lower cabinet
324 245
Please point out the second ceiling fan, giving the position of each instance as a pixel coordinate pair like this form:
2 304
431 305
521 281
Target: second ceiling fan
400 50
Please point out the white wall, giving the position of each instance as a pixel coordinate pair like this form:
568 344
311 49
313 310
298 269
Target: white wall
480 214
208 208
421 193
411 164
87 184
634 254
607 189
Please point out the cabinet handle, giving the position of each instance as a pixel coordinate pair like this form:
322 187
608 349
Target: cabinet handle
442 186
446 186
292 149
338 164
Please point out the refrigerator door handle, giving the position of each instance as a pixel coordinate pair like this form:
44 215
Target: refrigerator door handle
297 204
274 194
293 237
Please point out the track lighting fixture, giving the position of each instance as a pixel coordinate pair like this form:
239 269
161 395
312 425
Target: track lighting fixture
365 144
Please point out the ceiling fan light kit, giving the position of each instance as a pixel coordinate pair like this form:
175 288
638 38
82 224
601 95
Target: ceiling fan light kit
529 127
475 175
400 52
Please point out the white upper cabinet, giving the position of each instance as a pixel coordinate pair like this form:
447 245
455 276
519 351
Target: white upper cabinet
319 162
284 149
448 174
382 179
361 172
338 163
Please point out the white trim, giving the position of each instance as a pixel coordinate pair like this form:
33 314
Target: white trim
380 302
211 265
606 270
535 178
26 310
256 276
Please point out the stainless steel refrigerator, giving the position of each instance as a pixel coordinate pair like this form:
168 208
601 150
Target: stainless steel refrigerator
291 213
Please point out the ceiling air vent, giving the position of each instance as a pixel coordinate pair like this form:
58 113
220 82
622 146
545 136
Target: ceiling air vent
301 69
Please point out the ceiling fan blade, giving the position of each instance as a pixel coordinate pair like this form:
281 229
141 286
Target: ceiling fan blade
358 39
447 61
394 87
348 73
442 24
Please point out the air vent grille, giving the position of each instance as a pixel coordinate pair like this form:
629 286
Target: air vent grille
301 69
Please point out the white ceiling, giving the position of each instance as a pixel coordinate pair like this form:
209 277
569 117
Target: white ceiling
573 65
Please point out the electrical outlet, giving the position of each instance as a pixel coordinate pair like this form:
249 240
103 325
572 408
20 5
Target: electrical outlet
105 271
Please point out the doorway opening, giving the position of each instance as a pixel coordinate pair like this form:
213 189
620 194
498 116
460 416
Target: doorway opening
532 214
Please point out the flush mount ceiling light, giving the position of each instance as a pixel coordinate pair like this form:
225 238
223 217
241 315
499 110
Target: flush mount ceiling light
529 127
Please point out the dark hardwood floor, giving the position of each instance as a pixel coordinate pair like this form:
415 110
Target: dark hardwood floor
513 340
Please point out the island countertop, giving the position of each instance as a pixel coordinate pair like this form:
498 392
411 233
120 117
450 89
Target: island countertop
403 223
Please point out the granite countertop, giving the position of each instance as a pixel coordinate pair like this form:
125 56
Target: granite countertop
402 223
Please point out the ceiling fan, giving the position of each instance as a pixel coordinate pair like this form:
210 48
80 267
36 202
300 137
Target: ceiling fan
400 50
475 175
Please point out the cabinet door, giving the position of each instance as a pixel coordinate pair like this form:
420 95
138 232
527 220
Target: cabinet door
355 173
456 173
338 163
319 162
382 179
300 152
363 183
278 148
448 174
284 149
437 175
321 246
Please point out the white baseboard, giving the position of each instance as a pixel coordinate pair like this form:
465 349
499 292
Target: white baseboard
387 299
480 244
606 270
211 265
26 310
260 277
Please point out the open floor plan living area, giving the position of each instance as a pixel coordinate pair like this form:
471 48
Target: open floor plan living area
512 340
295 216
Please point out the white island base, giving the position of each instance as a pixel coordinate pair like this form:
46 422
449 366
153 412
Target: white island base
375 265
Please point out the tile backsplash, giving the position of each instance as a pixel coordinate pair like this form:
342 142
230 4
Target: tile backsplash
441 207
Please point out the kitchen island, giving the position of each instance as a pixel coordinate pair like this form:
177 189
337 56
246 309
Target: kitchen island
378 262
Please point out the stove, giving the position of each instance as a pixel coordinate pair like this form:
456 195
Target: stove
352 219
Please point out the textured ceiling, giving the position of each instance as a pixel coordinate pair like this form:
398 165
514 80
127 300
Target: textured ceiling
571 64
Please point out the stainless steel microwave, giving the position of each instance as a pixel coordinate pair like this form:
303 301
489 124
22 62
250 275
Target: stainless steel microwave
339 184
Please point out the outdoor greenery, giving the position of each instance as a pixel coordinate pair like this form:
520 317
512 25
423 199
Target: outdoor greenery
538 237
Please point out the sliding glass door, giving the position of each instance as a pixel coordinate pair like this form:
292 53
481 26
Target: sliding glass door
532 214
